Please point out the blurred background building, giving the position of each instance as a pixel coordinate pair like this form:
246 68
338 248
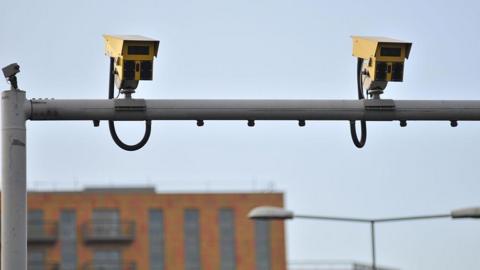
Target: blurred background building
137 228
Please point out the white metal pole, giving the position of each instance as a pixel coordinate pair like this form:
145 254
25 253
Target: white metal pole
14 192
139 110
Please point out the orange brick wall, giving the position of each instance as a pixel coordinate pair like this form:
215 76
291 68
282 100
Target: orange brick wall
135 206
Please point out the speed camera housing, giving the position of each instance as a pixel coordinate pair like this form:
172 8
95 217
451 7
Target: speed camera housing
383 60
133 58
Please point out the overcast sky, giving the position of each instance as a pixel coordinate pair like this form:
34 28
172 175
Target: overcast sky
269 49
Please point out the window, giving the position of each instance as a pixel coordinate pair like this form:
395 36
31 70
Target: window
36 259
35 222
262 245
106 222
227 239
156 238
68 240
138 50
106 259
390 51
35 216
191 241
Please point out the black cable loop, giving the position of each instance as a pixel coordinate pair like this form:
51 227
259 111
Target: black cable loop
363 124
128 147
111 123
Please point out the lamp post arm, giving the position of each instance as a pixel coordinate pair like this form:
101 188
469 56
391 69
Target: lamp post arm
346 219
412 218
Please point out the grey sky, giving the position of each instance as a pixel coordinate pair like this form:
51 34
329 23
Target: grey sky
269 49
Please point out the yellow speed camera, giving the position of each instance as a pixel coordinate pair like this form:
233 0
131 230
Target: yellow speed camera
132 58
382 60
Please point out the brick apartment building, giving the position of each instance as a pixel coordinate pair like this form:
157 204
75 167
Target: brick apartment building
139 229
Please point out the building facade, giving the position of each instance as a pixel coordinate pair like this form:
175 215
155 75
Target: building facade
138 229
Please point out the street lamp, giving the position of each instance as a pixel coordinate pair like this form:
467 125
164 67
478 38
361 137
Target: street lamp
278 213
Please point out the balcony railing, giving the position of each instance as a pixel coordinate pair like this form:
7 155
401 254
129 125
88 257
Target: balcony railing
45 232
109 266
332 265
43 266
123 231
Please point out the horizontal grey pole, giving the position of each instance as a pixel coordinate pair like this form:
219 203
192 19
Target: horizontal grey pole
137 109
347 219
412 218
375 220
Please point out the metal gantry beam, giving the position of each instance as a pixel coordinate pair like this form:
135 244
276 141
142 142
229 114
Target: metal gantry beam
16 110
173 109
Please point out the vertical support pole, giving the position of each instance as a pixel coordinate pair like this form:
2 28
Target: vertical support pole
14 190
372 231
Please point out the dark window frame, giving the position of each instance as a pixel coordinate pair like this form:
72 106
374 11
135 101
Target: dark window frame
156 236
192 240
